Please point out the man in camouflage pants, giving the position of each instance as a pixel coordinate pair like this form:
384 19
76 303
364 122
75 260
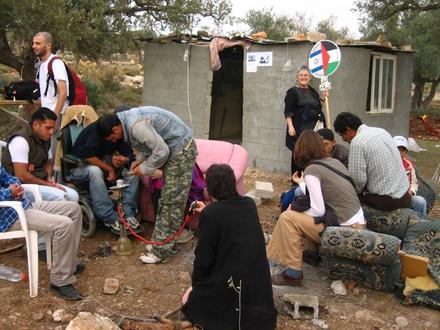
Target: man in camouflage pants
164 146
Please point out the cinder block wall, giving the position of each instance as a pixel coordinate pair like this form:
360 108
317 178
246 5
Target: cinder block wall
264 125
165 82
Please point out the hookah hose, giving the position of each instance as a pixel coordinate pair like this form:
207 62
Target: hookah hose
168 239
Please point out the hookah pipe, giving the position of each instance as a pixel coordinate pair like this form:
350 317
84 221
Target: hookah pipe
165 241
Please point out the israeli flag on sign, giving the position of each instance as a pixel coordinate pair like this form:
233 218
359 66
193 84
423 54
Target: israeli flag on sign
324 58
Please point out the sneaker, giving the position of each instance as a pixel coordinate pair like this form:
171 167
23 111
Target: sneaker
67 292
284 279
115 226
132 221
150 258
185 236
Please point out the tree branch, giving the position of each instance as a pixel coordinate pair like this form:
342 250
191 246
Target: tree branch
388 9
6 55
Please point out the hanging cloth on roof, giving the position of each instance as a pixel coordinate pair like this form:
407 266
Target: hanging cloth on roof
217 44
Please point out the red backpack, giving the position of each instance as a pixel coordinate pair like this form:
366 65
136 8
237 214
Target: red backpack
77 89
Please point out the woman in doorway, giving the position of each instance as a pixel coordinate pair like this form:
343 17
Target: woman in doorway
329 191
302 110
231 286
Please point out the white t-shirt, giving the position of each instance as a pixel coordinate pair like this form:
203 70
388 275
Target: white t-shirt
19 150
59 73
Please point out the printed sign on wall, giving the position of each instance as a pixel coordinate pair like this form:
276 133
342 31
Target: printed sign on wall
256 59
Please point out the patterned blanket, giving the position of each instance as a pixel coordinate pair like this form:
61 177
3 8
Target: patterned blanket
368 258
362 245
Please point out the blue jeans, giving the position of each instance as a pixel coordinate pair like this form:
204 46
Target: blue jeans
418 204
102 204
55 194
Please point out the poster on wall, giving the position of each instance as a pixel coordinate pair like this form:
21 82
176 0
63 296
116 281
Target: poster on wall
256 59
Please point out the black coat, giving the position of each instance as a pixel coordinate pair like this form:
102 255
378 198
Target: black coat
304 106
231 248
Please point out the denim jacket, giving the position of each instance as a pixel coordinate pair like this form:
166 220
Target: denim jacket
155 134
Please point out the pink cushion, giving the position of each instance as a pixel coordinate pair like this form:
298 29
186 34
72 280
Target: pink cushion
220 152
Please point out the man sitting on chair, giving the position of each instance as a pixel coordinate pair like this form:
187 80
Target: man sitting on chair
28 156
63 219
106 161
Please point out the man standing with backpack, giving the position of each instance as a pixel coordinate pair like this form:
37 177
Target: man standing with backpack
53 94
59 85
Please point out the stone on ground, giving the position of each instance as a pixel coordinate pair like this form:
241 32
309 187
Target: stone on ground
338 288
401 321
111 286
89 321
264 189
363 315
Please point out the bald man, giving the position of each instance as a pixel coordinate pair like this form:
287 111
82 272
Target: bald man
53 96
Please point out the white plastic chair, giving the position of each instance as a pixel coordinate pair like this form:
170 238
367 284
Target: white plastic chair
31 237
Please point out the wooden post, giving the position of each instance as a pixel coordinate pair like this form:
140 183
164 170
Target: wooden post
327 113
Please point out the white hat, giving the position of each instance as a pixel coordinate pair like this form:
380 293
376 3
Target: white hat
401 141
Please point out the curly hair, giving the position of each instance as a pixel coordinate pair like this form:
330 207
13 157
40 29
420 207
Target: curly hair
220 181
308 147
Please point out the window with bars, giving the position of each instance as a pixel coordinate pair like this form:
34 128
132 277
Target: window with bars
382 83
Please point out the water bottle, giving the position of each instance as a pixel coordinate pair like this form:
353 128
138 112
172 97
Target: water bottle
12 274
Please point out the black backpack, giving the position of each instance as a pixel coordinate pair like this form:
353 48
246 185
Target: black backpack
22 90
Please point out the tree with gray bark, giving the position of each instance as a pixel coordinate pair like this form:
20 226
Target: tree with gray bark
94 29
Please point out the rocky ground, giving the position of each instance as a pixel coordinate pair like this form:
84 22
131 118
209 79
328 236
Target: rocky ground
155 289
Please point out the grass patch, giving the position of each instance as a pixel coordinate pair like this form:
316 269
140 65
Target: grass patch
426 162
105 89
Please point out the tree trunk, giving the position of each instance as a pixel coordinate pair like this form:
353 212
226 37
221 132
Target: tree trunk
24 65
428 99
28 71
6 55
419 85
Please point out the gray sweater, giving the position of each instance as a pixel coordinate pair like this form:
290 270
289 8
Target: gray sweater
338 192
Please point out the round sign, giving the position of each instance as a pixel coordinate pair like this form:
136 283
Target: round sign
324 58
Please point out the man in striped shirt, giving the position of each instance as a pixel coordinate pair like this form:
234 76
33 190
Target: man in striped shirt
374 164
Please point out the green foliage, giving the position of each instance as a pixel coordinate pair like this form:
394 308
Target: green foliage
328 26
382 10
277 27
94 89
95 29
104 87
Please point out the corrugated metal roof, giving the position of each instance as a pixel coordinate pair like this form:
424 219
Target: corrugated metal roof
205 40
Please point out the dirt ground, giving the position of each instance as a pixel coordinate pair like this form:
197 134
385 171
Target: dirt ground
155 289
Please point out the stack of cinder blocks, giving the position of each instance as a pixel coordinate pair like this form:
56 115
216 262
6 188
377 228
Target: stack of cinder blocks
262 192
